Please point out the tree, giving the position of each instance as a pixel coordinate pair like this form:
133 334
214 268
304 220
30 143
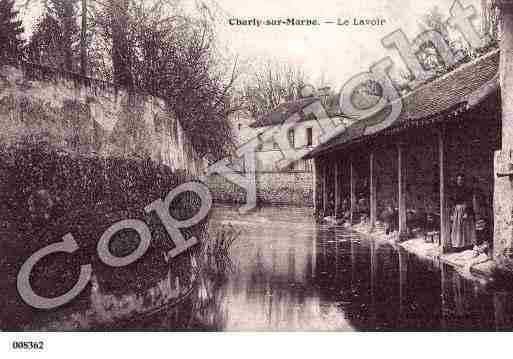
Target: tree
118 14
83 38
271 85
55 39
10 30
155 47
490 19
173 55
428 54
434 20
66 13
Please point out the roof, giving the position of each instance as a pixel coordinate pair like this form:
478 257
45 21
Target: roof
283 111
452 93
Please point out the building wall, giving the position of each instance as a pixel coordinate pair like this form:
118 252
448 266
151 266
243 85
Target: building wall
293 188
270 153
422 173
300 131
275 184
386 184
270 161
470 151
503 160
503 209
240 122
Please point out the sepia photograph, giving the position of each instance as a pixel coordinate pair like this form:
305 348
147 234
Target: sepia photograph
255 166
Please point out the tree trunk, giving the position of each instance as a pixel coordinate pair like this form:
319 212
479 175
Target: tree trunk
83 40
120 49
68 30
485 17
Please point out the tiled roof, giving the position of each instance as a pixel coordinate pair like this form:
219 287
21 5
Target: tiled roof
282 112
453 92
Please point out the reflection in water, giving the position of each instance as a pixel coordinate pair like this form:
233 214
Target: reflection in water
105 310
466 305
295 275
292 274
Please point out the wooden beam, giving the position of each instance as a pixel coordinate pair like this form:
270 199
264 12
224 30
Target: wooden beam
352 184
401 180
337 188
444 211
373 194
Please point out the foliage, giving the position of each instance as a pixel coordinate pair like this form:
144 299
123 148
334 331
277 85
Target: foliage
46 194
77 183
428 55
272 84
216 250
173 55
10 30
55 41
490 19
215 264
156 47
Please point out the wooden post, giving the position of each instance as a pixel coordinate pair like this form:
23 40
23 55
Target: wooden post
401 179
352 183
314 253
325 188
315 184
373 199
373 284
354 264
444 212
503 189
445 285
403 272
337 187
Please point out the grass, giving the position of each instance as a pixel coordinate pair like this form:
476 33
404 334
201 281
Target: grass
215 252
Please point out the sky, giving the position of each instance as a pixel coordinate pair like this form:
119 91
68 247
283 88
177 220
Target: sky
329 52
335 53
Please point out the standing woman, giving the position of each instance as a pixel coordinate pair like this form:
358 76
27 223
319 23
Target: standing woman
463 233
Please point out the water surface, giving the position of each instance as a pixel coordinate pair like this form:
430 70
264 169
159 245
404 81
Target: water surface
292 274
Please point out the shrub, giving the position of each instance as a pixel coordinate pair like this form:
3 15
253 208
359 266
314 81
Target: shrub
47 194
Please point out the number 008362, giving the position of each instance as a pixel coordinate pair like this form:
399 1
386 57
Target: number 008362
28 345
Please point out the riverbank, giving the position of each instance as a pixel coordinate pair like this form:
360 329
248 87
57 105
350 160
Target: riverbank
471 265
